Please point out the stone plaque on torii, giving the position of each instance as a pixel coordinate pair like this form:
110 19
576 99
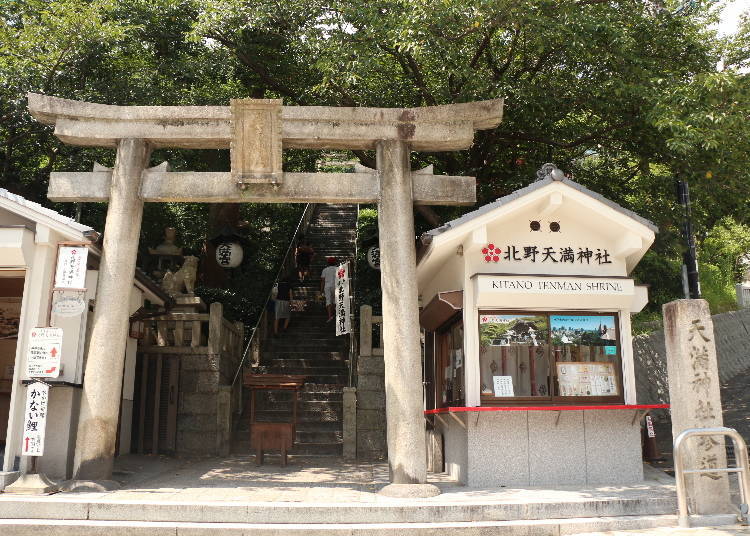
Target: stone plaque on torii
256 131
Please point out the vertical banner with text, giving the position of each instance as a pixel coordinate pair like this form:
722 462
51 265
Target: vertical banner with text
35 419
343 319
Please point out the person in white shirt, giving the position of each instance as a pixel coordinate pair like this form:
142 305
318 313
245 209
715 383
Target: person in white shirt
328 284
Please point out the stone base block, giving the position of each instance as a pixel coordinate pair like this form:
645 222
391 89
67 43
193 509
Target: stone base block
7 478
90 485
543 448
410 491
32 484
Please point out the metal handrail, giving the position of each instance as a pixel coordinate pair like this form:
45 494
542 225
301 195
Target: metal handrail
305 215
740 453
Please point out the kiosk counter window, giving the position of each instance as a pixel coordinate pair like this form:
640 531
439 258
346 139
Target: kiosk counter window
562 357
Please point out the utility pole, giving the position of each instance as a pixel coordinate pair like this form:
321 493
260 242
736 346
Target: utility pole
690 259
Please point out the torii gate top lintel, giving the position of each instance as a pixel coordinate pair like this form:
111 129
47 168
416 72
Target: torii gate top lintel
447 127
256 131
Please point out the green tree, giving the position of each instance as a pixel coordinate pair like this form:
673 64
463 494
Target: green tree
624 95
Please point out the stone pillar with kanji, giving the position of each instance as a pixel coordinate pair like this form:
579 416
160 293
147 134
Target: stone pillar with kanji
695 400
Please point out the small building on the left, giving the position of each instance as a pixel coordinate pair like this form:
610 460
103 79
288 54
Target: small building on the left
38 288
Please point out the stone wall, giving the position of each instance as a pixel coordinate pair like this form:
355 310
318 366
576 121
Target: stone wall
204 412
732 332
371 439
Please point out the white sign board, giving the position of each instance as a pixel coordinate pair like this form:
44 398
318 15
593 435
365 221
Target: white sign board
650 426
35 419
71 267
503 385
43 356
518 284
69 305
343 320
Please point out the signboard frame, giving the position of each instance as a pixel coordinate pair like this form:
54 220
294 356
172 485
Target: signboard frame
47 368
57 275
35 419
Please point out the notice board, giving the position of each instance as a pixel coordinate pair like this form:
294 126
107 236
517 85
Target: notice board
586 379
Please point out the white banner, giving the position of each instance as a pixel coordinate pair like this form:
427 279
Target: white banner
71 267
35 419
343 320
44 353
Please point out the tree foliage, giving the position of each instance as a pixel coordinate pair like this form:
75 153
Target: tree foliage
625 95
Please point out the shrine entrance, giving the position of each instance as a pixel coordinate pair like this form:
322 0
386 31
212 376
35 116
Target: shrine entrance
256 132
11 302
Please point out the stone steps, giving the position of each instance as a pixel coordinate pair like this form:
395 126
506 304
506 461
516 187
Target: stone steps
286 359
309 347
322 443
269 415
311 406
312 426
68 514
548 527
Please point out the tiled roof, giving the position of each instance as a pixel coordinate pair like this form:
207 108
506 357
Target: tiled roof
39 209
531 188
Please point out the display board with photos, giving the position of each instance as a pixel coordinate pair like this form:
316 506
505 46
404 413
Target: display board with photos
586 379
546 356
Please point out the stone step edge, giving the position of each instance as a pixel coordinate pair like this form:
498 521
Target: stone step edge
401 511
551 527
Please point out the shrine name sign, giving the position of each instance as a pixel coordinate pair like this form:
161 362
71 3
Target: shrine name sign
556 285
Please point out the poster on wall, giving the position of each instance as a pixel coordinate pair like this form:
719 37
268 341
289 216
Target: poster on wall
10 315
584 330
507 330
586 379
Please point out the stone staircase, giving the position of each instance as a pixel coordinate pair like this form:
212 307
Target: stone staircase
95 515
310 347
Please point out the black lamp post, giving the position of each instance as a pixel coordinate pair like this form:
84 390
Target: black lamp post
689 256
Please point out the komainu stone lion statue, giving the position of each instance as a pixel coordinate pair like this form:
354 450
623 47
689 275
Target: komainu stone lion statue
173 283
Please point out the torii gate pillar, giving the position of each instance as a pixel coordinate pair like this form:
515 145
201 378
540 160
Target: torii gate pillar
407 456
97 425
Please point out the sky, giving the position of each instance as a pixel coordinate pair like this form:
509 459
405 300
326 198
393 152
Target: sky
730 15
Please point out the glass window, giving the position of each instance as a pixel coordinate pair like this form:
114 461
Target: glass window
549 356
586 354
514 355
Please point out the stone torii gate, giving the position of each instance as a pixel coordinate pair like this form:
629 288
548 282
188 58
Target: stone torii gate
256 131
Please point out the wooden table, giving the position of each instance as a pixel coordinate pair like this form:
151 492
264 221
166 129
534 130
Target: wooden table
273 435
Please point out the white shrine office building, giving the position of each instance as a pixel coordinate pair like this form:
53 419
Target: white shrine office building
529 370
30 236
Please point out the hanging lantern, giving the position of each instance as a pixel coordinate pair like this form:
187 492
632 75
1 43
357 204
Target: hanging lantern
229 254
373 257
